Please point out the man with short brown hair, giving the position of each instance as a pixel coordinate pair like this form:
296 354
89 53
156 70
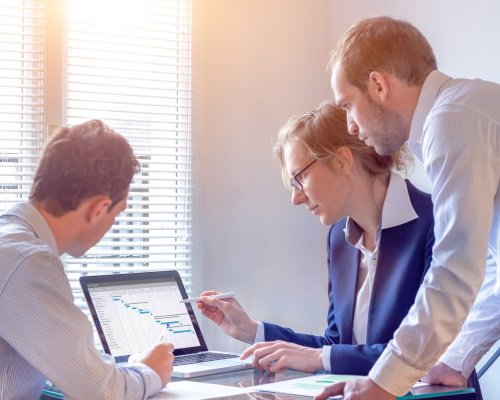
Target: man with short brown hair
80 186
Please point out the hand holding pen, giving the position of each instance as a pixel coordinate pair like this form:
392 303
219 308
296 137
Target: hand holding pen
226 312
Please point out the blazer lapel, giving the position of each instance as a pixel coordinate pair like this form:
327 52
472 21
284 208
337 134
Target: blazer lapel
345 261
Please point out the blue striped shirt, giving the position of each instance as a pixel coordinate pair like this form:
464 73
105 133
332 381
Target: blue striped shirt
456 133
43 335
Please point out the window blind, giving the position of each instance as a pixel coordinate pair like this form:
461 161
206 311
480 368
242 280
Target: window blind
21 96
128 63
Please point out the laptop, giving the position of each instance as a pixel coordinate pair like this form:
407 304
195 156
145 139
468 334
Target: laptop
133 311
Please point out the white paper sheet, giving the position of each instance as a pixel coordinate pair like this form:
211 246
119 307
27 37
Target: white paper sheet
198 390
307 386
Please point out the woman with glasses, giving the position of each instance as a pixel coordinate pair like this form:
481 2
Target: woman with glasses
379 249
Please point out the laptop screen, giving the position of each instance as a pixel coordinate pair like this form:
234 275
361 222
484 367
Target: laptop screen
133 311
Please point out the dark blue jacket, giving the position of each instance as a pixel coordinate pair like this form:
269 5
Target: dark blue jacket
405 254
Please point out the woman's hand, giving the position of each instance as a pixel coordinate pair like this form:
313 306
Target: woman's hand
228 315
278 356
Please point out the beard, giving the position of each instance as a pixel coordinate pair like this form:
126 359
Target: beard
387 129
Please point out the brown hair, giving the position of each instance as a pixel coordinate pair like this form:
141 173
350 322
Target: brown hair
384 44
80 162
323 131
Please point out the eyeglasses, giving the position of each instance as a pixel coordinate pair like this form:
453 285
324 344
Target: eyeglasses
295 182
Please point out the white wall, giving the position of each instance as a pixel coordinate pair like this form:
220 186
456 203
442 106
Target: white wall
256 63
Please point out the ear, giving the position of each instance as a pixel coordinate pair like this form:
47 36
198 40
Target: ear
343 159
96 207
378 86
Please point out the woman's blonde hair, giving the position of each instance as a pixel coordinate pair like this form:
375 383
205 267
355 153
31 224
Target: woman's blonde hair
323 131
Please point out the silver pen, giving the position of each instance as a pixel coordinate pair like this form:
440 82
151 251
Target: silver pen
213 296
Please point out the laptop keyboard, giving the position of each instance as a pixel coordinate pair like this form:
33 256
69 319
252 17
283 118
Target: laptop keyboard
201 357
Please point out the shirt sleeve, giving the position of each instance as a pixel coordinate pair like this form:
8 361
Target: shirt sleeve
260 335
458 151
481 329
153 377
41 323
325 358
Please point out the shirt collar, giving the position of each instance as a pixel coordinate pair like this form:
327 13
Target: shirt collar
426 100
32 217
397 209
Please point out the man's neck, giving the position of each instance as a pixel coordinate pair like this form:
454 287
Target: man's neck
61 227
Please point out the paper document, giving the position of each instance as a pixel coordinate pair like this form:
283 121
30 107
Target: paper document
307 386
313 385
198 390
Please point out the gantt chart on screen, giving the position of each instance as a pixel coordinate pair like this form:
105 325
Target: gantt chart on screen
134 317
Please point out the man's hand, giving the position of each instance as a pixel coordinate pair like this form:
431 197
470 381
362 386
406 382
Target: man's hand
441 374
278 356
358 389
159 358
229 316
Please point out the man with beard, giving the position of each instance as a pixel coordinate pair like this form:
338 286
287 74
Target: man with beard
384 74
